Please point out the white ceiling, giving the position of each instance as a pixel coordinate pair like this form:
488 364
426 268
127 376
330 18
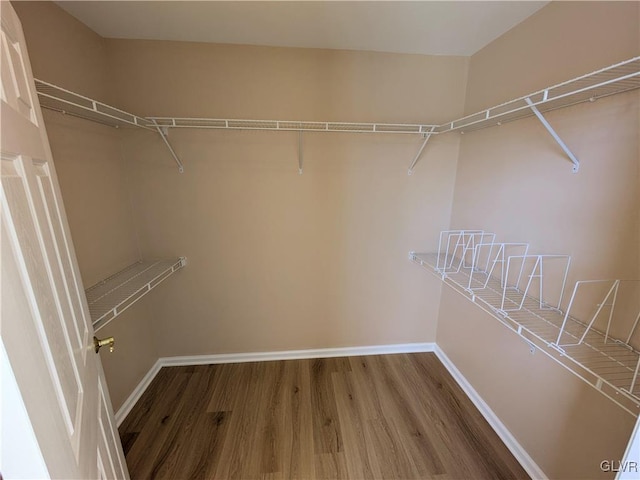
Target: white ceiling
424 27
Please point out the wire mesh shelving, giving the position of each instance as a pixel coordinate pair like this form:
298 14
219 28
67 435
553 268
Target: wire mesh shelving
618 78
291 125
112 296
65 101
525 293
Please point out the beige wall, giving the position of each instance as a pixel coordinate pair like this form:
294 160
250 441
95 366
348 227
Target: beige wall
279 261
566 426
63 50
92 175
563 40
232 81
276 260
515 181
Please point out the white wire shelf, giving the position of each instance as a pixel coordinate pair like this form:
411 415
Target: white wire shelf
290 125
114 295
64 101
607 364
67 102
617 78
611 80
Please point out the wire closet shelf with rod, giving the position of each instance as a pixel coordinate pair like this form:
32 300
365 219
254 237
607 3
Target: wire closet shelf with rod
110 297
608 363
593 332
615 79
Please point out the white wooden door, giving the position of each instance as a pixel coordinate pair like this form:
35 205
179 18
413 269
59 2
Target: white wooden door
45 324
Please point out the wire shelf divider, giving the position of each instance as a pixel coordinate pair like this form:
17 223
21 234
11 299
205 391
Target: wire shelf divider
480 269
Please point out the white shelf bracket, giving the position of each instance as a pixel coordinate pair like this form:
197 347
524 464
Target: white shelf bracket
572 157
532 347
300 152
427 136
164 132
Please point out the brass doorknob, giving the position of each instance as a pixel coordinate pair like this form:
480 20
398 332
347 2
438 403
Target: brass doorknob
97 343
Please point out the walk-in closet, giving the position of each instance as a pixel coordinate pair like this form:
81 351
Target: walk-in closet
320 239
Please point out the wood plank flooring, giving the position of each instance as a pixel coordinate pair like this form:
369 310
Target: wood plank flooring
376 417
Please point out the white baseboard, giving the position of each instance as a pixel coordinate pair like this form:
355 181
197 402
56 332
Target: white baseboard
128 404
534 471
126 407
297 354
509 440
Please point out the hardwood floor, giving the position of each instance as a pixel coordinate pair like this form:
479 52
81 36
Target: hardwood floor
381 417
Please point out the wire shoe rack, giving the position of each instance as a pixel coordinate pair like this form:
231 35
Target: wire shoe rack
526 293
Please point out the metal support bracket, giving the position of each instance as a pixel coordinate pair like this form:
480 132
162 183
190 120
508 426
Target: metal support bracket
572 157
427 136
300 157
532 347
164 132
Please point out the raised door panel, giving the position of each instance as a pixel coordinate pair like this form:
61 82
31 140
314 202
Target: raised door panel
45 326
